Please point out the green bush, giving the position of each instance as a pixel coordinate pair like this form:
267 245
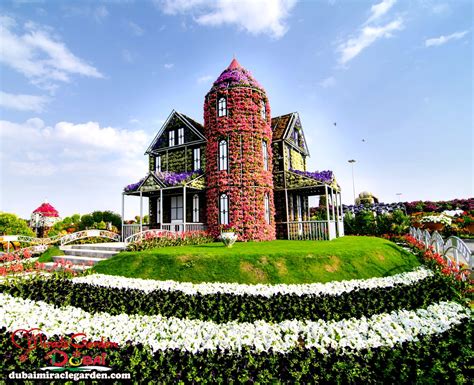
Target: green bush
165 239
365 222
10 224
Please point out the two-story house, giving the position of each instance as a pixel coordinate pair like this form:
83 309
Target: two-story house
241 169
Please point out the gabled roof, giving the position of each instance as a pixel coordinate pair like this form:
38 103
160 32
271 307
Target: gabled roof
190 123
47 210
283 125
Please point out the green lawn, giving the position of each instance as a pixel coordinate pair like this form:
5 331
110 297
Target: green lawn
266 262
48 255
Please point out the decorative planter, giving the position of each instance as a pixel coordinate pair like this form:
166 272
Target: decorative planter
433 226
470 228
228 238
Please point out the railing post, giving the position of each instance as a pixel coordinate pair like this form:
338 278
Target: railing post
123 214
141 211
161 208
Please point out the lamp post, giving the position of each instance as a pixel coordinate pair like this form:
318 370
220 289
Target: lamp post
352 161
398 194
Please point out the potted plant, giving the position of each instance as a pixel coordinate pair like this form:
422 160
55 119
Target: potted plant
435 222
228 235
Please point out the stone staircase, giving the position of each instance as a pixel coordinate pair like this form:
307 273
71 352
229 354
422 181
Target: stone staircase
87 255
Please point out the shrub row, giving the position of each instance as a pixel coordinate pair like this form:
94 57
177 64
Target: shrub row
159 238
433 359
224 307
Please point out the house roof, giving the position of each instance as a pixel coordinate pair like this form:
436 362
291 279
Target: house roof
191 123
46 210
235 75
280 124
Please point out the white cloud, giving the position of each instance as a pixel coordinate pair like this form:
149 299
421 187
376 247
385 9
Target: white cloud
168 66
380 9
100 13
441 8
366 37
328 82
34 135
204 79
40 56
128 56
436 41
254 16
136 29
23 102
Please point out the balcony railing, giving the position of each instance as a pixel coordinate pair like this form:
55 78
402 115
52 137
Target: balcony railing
308 230
129 230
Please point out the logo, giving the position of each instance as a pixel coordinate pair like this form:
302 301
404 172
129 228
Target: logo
67 353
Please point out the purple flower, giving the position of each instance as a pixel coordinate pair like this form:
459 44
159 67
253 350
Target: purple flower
323 176
175 178
133 186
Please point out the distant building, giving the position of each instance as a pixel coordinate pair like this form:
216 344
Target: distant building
43 218
242 170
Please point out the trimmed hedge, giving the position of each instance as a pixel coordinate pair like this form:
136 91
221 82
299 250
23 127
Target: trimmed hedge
227 307
434 359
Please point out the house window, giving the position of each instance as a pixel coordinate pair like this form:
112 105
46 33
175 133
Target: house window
265 155
222 107
267 208
223 155
263 110
223 209
180 136
158 163
177 208
196 159
171 138
196 208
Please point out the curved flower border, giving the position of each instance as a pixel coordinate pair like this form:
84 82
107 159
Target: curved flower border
161 333
316 289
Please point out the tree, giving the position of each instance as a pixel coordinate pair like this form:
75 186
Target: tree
10 224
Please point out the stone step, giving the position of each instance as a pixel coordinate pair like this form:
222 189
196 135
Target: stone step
104 254
77 260
115 246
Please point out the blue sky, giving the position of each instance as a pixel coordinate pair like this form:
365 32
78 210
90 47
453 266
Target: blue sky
86 85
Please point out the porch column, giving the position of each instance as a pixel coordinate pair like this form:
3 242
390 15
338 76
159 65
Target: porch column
161 208
333 204
327 202
287 215
184 208
141 211
123 214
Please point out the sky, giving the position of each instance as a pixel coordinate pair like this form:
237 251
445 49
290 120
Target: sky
85 86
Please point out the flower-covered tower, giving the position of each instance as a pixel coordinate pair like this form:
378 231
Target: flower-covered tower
237 125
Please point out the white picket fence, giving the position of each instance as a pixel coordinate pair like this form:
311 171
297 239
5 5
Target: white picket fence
453 250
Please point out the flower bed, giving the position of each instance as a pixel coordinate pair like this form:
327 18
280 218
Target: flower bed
379 365
332 303
158 238
161 333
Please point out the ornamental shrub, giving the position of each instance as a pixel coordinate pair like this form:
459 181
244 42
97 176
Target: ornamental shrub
158 239
10 224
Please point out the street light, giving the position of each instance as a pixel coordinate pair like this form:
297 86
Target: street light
398 194
352 161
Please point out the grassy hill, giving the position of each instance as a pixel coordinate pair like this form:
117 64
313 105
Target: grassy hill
266 262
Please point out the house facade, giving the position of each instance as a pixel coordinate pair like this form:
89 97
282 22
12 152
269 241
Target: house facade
242 170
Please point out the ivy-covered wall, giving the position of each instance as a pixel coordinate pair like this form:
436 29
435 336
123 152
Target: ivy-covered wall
174 124
179 159
245 182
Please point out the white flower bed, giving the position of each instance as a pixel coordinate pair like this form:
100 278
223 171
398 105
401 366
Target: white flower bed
330 288
161 333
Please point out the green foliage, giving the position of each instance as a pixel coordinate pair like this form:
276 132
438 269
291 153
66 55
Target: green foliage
266 262
52 251
225 307
443 358
191 238
10 224
365 222
96 220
